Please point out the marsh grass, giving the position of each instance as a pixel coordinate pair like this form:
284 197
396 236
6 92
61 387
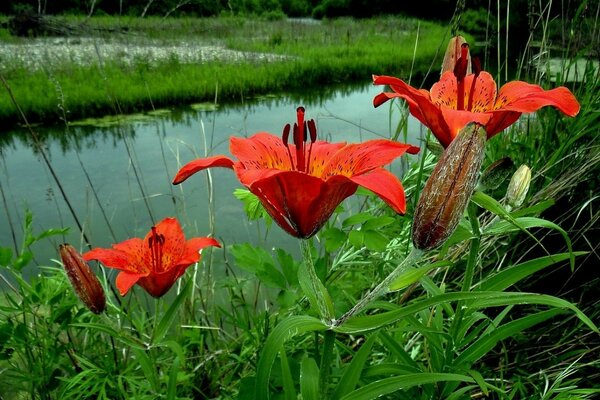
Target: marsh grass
325 53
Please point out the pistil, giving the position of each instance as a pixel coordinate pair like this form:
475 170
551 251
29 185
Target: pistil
460 71
156 242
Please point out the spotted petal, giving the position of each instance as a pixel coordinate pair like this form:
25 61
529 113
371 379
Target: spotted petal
525 97
360 158
261 151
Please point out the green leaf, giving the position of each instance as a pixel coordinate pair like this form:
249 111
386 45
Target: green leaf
172 384
356 238
357 219
509 276
309 379
479 300
259 262
289 391
524 223
5 256
487 342
412 275
349 379
378 222
511 224
375 241
147 366
288 266
291 326
252 205
167 320
51 232
334 238
396 383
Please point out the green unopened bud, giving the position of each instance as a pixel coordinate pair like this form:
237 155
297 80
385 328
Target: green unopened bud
496 174
518 186
453 53
449 188
84 281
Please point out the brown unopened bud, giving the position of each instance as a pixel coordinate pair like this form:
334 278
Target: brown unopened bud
84 281
453 53
496 174
518 186
449 188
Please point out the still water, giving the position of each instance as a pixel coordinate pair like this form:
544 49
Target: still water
118 178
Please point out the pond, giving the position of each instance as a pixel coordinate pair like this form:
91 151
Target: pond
117 177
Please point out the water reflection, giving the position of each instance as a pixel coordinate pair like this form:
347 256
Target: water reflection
117 177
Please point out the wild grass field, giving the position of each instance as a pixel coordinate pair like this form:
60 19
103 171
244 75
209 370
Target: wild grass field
505 308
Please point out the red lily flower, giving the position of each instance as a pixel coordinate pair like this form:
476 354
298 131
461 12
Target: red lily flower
458 99
300 184
156 261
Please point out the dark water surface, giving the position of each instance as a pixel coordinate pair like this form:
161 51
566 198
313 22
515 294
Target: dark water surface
126 169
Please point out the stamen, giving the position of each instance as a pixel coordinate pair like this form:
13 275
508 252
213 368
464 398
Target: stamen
476 71
312 129
156 242
284 138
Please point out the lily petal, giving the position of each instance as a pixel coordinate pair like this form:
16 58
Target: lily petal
360 158
301 203
385 185
525 97
125 280
112 258
200 164
261 150
419 105
191 252
457 120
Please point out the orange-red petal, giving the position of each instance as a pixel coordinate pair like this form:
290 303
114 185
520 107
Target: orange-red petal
385 185
360 158
525 97
125 280
301 203
261 151
419 105
200 164
457 120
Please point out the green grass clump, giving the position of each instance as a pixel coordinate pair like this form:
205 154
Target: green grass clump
341 51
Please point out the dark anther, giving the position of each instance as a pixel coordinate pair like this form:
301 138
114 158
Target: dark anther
286 134
312 129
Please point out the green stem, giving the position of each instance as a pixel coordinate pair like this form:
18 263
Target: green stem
315 290
474 251
383 287
326 360
470 269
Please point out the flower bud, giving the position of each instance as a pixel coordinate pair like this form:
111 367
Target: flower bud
518 186
453 53
84 281
449 188
496 174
